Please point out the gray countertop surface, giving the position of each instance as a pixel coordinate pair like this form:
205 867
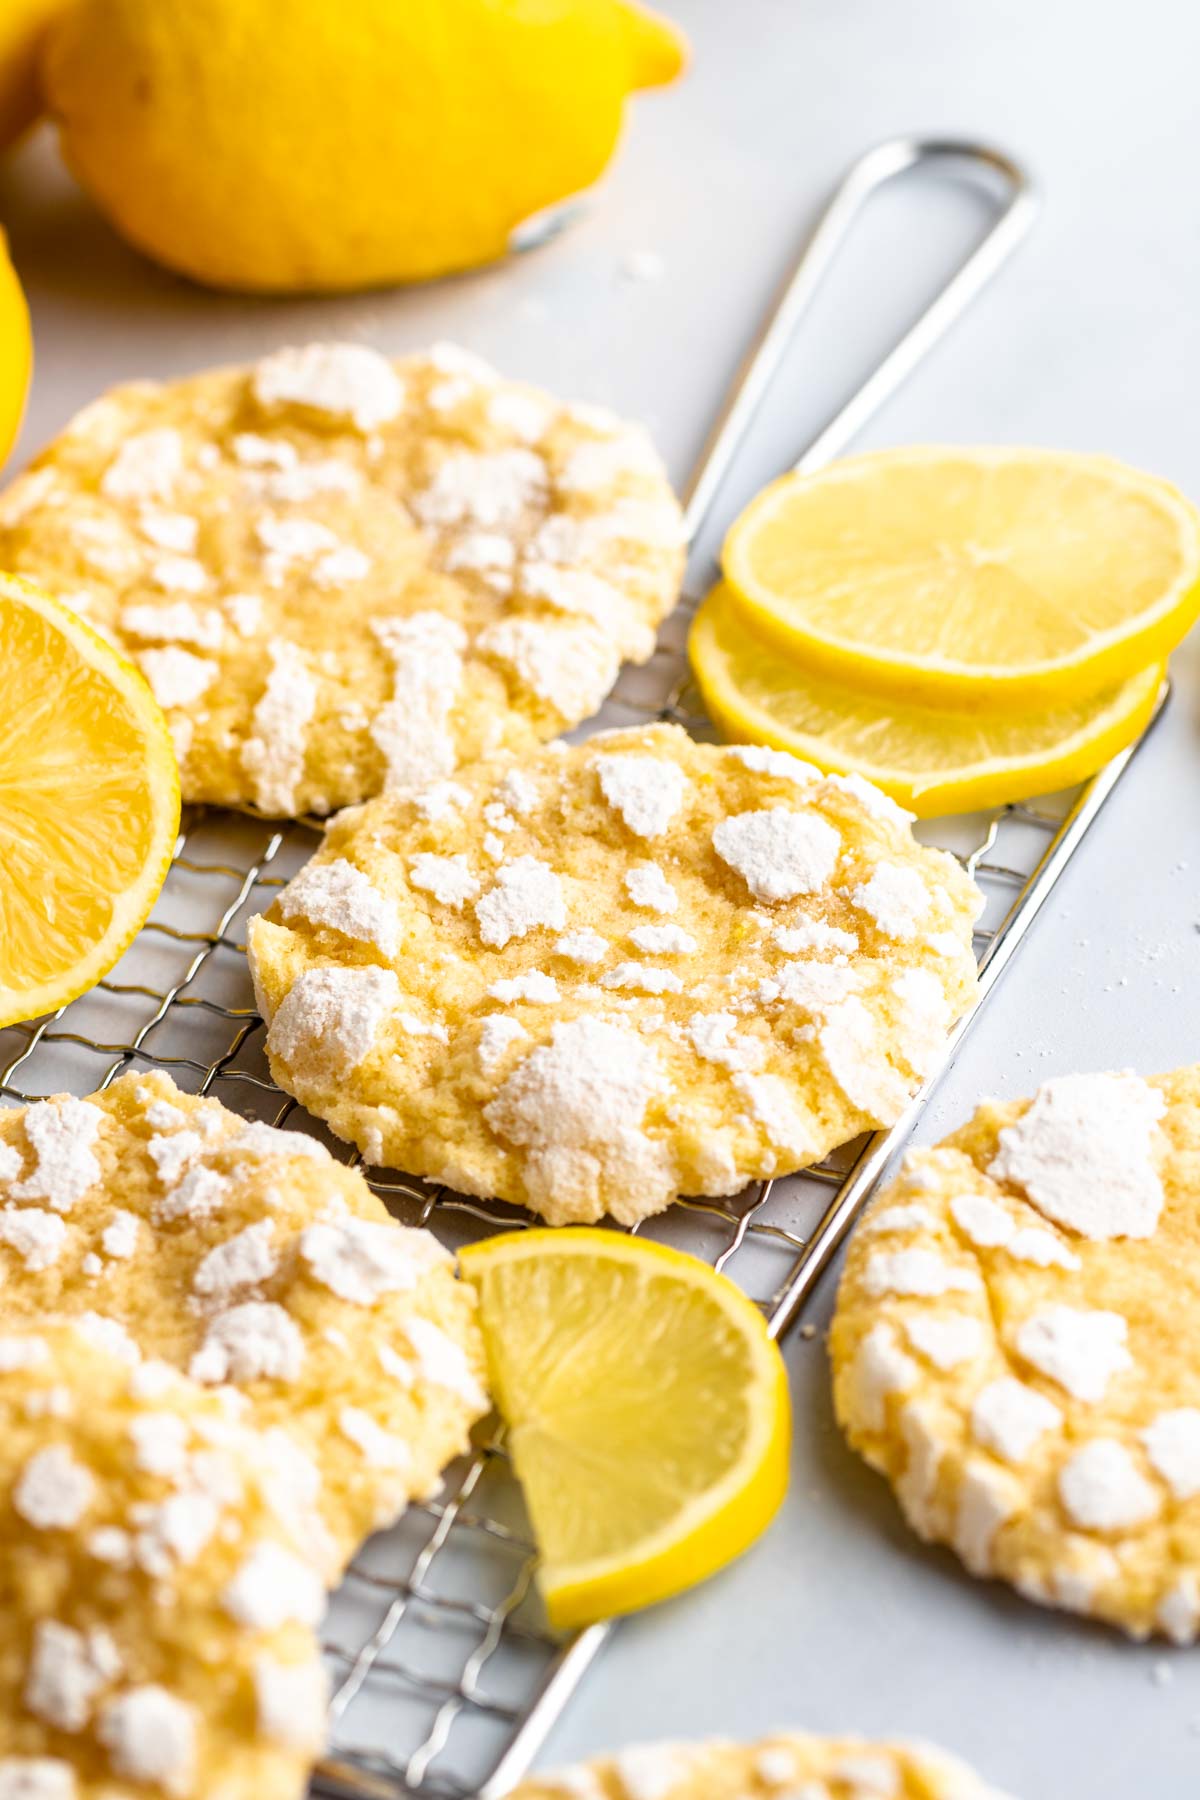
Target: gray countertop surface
1090 339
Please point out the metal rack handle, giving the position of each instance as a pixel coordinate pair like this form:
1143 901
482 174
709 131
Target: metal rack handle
984 164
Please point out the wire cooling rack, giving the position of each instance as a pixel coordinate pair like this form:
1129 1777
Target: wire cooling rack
446 1680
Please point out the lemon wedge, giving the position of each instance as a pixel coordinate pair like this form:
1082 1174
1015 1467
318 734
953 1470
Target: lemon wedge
89 804
929 759
968 578
647 1409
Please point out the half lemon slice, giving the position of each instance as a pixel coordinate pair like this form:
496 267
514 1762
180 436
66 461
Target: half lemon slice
89 804
967 578
929 759
647 1409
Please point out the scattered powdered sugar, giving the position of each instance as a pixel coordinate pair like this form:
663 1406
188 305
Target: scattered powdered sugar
441 800
517 792
360 1260
1179 1610
1008 1418
650 1771
248 1343
1102 1488
22 1353
569 664
647 886
576 1105
922 1273
202 1194
526 415
643 979
896 897
647 791
412 730
10 1162
1083 1153
328 1021
61 1134
37 1236
984 1223
67 1669
527 894
108 1335
179 575
120 1236
946 1342
146 467
850 1045
904 1217
809 936
292 1700
662 940
880 1368
778 853
764 761
53 1491
339 895
585 946
497 1035
447 878
1172 1443
347 382
245 1260
382 1449
176 677
987 1498
713 1038
181 623
533 986
274 756
596 465
150 1737
443 1362
872 799
273 1588
490 489
1080 1350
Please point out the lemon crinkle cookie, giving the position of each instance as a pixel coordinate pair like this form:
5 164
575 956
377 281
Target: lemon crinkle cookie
158 1607
342 574
171 1229
790 1765
594 979
1012 1346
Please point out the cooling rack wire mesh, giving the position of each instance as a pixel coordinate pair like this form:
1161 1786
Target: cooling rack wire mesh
443 1670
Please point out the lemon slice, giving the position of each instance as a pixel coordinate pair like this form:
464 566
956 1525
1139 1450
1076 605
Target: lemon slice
16 343
929 759
647 1409
971 577
89 804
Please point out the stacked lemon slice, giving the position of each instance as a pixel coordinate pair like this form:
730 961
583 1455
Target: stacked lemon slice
962 626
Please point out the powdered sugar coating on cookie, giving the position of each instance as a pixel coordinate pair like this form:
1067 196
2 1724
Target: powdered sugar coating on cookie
343 574
623 972
788 1766
245 1256
1031 1410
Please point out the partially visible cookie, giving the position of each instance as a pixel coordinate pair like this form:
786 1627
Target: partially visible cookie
788 1766
158 1605
593 979
342 574
169 1228
1017 1346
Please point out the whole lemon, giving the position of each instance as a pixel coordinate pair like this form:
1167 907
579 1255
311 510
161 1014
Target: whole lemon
22 26
333 144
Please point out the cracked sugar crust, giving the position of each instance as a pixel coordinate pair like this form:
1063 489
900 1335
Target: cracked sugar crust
604 989
789 1766
1014 1346
343 574
253 1260
132 1502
